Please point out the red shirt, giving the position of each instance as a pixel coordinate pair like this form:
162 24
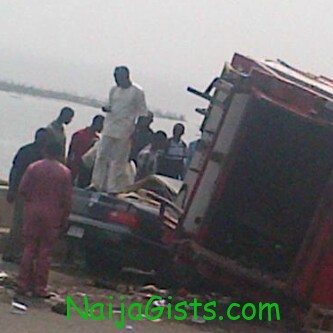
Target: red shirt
46 187
81 142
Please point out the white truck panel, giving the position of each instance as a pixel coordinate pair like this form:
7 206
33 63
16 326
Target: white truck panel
212 124
207 186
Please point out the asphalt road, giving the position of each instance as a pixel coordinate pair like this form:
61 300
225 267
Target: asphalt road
40 319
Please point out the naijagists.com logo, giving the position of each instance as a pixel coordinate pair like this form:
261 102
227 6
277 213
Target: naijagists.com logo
156 308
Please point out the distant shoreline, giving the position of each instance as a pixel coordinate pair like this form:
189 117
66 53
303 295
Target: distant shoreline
11 87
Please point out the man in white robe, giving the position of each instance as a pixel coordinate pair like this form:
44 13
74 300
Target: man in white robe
126 103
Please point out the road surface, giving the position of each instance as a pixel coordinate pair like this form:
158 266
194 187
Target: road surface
40 319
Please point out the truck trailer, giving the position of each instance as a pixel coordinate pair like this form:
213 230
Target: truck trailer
258 194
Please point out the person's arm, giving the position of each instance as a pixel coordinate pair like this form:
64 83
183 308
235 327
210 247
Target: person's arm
15 176
107 108
156 161
13 184
72 148
141 161
141 105
186 150
160 162
66 200
190 152
185 157
166 148
88 159
26 185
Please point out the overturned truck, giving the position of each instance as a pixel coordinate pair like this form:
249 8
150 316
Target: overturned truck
258 198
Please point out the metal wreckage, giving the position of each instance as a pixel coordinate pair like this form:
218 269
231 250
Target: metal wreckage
254 211
254 214
257 198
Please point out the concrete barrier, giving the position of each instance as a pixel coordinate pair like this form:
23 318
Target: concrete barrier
6 210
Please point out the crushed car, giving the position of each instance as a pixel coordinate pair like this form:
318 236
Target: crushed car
128 229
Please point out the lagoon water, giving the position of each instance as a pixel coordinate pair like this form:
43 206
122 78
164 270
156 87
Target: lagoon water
21 115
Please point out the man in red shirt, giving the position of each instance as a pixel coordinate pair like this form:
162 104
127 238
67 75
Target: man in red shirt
81 142
46 189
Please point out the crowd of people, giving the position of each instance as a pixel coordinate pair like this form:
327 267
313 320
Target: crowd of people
113 152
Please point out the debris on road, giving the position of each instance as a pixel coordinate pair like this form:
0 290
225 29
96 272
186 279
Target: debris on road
129 327
224 300
198 320
6 280
62 291
3 275
54 300
161 303
132 270
18 307
158 320
60 308
122 288
152 289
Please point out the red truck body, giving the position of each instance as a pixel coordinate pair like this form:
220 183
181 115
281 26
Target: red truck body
258 195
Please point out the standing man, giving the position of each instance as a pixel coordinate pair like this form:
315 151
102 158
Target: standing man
24 157
46 188
126 104
81 142
142 135
175 154
57 128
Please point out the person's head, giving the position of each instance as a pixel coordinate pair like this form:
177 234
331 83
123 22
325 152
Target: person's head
178 131
66 115
97 124
145 121
122 76
53 150
41 137
159 140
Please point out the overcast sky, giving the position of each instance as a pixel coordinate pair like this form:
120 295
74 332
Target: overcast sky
168 44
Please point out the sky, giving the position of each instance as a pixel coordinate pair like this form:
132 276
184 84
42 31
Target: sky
73 45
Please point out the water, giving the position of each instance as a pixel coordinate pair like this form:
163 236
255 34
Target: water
21 115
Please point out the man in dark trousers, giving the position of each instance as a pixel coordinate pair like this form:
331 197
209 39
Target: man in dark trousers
46 188
81 142
24 157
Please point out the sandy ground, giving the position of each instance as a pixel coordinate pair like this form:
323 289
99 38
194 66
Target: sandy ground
40 319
